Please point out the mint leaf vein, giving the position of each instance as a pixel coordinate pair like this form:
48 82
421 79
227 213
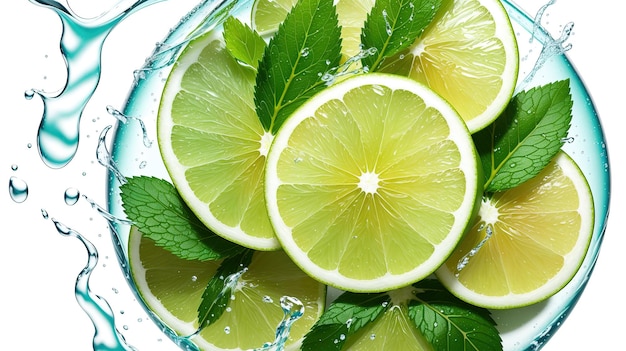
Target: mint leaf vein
306 45
528 134
158 211
394 25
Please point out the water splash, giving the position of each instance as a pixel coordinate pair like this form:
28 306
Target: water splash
348 67
81 47
106 336
293 309
551 46
124 119
104 156
110 218
488 228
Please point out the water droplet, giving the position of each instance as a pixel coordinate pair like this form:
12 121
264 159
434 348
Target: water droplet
29 94
372 336
267 299
44 214
305 52
227 330
14 167
18 189
71 196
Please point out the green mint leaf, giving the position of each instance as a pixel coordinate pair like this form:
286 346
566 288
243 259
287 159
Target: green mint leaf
394 25
218 292
449 324
346 315
158 211
243 43
306 45
523 140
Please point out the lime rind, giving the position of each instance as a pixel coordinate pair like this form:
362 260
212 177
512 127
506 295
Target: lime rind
441 247
172 288
572 260
210 141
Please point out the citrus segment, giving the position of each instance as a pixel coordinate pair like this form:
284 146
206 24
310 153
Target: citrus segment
469 56
371 183
267 15
527 242
172 288
212 143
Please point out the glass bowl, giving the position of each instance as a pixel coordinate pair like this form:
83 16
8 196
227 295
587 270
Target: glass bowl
133 153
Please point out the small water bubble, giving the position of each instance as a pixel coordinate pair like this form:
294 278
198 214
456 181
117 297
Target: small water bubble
568 140
142 164
267 299
14 167
125 327
29 145
305 52
18 189
227 330
71 196
194 278
372 336
44 214
229 309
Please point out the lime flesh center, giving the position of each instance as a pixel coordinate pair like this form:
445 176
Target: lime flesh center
369 182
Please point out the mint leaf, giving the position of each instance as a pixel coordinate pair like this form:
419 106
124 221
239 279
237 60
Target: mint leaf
218 292
346 315
450 324
523 140
243 43
394 25
158 211
306 45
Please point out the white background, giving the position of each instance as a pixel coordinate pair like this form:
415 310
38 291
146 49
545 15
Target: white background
38 266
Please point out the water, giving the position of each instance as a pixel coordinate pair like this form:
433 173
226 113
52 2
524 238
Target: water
18 189
106 336
58 139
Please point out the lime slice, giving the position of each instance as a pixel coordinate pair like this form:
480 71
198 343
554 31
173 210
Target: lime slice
527 242
468 54
172 288
371 183
268 14
213 144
